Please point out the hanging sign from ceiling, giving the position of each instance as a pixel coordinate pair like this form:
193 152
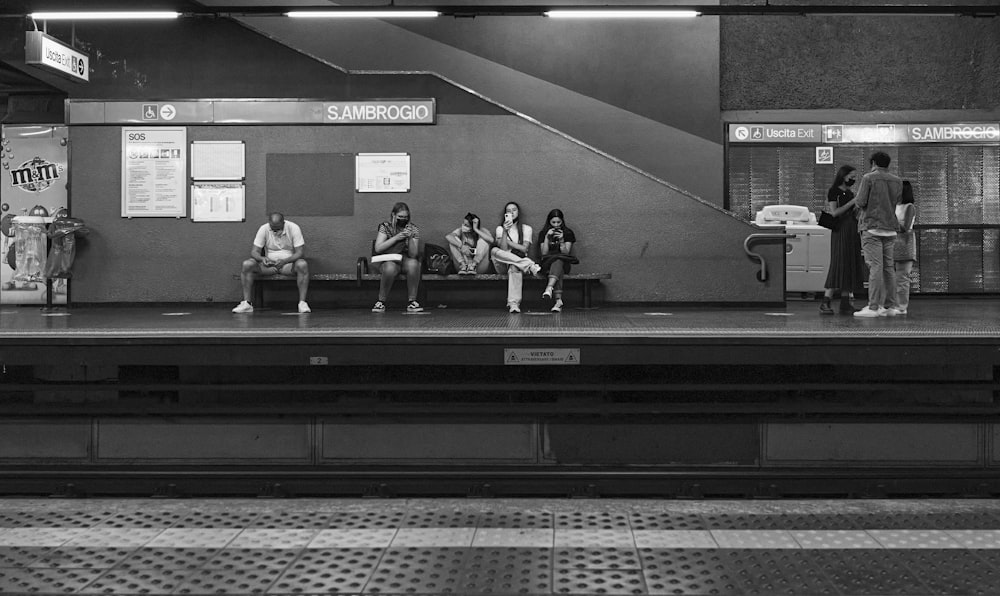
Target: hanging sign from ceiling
53 55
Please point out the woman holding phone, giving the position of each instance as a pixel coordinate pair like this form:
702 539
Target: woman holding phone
555 243
510 255
396 249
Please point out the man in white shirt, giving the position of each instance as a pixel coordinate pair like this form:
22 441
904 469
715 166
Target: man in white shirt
277 248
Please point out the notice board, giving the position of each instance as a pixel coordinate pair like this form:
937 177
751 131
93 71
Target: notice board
154 164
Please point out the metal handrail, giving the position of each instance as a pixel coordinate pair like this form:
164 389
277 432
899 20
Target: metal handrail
762 274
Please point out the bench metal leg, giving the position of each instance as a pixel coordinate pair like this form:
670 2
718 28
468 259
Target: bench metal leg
586 293
258 294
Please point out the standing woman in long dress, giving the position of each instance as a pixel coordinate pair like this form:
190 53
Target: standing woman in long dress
847 265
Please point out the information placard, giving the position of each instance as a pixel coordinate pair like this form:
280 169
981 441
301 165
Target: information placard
382 172
218 201
218 160
154 163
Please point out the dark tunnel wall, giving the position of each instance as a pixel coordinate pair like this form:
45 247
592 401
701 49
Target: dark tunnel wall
860 63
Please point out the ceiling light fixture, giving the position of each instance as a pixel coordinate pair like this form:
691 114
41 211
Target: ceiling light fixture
363 14
105 15
622 14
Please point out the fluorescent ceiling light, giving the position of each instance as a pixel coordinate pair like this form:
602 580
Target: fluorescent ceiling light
622 14
93 16
363 14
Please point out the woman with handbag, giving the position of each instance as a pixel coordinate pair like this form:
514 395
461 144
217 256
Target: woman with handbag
396 250
905 247
847 266
555 243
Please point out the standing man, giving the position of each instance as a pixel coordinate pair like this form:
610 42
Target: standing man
277 248
878 195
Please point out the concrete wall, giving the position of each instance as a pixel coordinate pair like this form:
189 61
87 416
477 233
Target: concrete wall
660 244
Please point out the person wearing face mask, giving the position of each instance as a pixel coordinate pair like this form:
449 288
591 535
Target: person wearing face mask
847 266
510 255
396 250
470 246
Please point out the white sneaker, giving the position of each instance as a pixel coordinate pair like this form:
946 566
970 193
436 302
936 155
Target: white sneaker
303 307
557 307
514 308
901 311
867 313
888 312
534 269
243 307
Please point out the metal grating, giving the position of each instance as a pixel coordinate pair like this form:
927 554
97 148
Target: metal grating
932 256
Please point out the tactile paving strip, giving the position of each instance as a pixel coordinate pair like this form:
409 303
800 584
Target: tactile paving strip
666 521
441 519
420 570
25 536
21 580
621 537
114 537
838 539
867 572
517 519
74 557
508 571
353 538
430 537
138 581
776 572
261 538
591 520
21 556
292 520
142 519
754 539
194 538
251 558
674 539
951 572
596 558
513 537
332 570
168 558
901 539
229 581
686 571
54 519
590 581
367 519
217 519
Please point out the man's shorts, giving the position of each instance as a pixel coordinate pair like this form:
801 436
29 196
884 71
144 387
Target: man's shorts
288 269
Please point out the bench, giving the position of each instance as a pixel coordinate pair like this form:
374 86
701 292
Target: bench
363 274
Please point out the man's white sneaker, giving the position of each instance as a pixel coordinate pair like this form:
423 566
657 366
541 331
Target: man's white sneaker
514 308
303 307
902 311
888 312
867 313
243 308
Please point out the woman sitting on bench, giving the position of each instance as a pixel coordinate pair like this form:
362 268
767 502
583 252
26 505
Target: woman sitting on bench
470 246
510 255
555 243
396 249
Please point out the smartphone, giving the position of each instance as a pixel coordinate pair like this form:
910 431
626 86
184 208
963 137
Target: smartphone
508 217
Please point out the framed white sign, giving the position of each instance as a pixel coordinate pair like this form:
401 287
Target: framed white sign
154 164
218 160
218 201
382 172
824 155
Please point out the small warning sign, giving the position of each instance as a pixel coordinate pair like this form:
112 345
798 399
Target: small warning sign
528 356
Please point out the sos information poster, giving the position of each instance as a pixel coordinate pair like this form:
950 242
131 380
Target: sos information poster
154 166
33 166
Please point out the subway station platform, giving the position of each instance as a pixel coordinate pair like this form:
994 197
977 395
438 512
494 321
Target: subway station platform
499 546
